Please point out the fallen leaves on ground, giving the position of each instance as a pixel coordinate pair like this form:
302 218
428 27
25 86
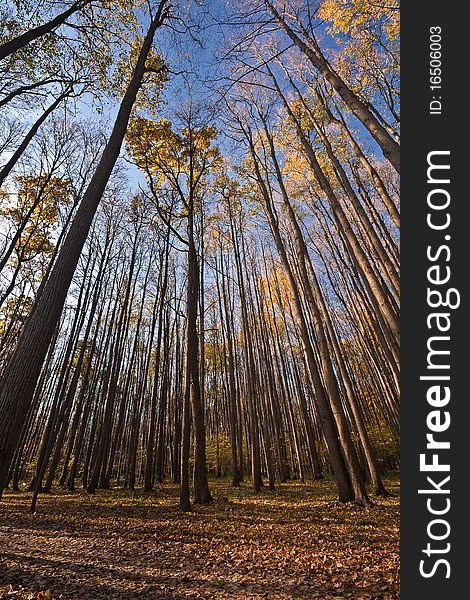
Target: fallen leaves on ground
296 542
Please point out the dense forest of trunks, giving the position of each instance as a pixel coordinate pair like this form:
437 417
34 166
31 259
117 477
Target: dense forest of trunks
229 304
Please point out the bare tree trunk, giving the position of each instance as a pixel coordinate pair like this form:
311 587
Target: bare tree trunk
185 504
230 368
25 38
202 494
29 136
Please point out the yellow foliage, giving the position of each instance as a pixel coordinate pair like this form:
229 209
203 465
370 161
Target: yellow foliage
178 159
353 17
41 197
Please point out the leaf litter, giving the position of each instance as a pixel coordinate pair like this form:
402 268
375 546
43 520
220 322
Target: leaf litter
293 543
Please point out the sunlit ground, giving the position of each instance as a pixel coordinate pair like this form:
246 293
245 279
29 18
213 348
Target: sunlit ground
296 542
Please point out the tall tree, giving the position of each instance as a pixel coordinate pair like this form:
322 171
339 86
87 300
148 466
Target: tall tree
183 161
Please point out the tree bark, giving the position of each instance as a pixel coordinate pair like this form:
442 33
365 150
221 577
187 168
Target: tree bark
27 37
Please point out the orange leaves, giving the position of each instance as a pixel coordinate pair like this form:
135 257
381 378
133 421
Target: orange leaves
296 542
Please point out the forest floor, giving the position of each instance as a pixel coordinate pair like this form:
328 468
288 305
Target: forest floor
295 542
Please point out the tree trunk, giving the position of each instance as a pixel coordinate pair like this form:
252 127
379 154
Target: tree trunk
202 494
28 36
6 169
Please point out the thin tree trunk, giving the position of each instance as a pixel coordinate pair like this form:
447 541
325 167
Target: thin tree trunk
6 169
